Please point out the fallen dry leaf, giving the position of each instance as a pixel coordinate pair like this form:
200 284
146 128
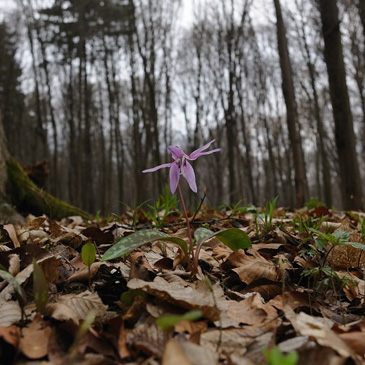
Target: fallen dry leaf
307 325
174 354
251 311
355 340
11 335
61 312
34 339
197 297
12 234
10 313
251 266
83 303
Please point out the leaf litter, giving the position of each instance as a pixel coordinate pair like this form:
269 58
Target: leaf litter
291 289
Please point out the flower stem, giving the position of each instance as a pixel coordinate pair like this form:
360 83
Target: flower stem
187 223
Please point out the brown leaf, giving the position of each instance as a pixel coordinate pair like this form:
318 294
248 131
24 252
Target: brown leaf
140 267
174 354
307 325
148 338
33 222
12 234
356 340
34 339
191 327
197 297
10 313
252 266
61 312
294 300
98 236
83 303
11 335
252 311
83 274
14 264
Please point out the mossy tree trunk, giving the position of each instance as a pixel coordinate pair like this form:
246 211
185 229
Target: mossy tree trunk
18 190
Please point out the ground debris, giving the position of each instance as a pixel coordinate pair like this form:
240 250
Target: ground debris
294 289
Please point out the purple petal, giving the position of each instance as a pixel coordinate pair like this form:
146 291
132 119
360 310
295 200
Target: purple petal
188 173
176 152
158 167
209 152
174 177
197 153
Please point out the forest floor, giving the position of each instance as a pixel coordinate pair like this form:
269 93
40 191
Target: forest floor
296 296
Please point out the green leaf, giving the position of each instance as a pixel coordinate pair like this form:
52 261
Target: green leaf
168 321
275 357
234 238
129 296
88 254
40 287
11 280
127 244
356 245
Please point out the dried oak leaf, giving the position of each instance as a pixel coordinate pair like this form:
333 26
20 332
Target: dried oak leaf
251 266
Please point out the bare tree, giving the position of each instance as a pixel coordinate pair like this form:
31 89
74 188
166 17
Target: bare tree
344 133
301 185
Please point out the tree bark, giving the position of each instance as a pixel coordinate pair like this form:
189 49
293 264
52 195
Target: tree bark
344 132
301 185
18 190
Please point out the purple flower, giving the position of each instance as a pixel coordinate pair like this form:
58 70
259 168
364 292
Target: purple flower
180 165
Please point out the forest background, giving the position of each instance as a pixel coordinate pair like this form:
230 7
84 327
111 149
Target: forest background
99 89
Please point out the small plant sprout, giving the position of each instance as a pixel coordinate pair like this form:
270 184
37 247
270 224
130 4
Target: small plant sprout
40 287
168 321
275 357
88 255
181 166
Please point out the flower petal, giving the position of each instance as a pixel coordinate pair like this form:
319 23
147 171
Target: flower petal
174 177
188 173
209 152
197 153
176 152
158 167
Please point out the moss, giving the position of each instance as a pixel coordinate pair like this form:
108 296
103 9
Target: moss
28 198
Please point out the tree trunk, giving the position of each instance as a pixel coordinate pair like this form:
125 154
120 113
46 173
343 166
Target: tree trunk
18 190
314 101
301 185
361 7
344 132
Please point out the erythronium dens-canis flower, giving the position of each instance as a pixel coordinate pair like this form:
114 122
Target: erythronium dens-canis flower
181 166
